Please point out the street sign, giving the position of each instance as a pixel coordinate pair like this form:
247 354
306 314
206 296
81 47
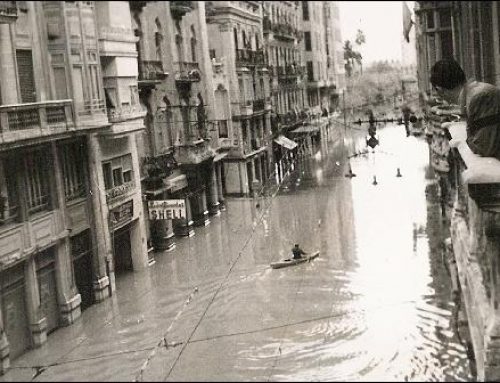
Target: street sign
167 209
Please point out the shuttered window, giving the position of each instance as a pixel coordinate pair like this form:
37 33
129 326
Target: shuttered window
26 77
72 162
36 178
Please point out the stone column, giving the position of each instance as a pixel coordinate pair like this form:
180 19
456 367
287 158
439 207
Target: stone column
37 323
101 239
213 192
138 235
220 194
183 227
8 72
163 235
68 298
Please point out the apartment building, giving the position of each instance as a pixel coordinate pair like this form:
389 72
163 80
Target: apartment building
235 28
179 151
70 212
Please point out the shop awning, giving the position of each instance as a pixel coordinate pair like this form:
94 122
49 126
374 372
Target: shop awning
220 156
286 142
176 182
306 129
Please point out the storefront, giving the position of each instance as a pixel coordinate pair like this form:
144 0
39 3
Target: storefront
14 312
81 250
121 226
46 275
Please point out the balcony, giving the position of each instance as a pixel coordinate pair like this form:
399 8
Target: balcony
247 57
285 31
194 152
126 113
246 108
119 192
179 8
151 73
8 12
35 120
187 72
258 105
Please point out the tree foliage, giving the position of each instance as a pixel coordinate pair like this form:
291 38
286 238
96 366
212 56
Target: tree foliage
351 55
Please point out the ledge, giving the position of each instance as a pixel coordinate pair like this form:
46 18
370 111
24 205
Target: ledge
480 170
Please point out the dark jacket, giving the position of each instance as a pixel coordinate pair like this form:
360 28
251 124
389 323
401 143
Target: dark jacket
480 104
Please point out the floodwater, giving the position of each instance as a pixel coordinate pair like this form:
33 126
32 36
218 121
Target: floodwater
375 305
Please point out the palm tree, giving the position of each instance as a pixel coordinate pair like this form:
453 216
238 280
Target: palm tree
350 55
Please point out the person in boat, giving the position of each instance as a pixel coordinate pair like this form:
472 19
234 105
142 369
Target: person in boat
297 252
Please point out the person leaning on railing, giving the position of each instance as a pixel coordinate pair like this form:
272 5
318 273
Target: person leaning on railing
479 103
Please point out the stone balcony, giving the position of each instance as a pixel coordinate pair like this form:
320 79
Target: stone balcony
475 239
35 120
248 57
8 12
150 73
179 8
194 152
187 72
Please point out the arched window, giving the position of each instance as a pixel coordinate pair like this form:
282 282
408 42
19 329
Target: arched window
179 42
158 40
193 44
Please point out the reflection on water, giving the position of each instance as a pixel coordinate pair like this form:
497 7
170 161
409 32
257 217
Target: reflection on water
376 305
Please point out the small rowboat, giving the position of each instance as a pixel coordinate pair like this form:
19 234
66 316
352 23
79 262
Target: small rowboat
291 262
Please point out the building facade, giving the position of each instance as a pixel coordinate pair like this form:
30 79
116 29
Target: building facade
108 105
236 34
468 32
71 212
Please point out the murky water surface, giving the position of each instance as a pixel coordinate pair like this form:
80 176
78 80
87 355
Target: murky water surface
375 305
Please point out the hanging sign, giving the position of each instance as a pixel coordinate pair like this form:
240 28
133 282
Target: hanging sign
167 209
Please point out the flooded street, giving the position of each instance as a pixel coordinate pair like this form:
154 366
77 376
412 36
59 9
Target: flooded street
375 305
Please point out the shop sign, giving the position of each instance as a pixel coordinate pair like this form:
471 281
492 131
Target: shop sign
167 209
121 214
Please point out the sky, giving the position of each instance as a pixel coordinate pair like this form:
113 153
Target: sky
382 24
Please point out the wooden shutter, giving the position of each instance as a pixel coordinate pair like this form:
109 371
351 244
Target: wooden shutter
26 76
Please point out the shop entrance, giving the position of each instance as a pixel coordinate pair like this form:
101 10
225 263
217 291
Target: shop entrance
14 313
122 250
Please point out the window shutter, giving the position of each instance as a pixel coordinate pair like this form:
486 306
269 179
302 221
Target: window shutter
26 77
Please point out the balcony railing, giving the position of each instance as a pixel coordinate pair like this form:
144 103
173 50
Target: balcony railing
194 152
187 72
118 191
258 104
247 57
35 119
126 112
8 12
151 71
180 8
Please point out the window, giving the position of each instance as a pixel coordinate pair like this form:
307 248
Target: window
26 77
72 162
9 204
305 10
118 171
36 181
212 53
307 40
223 131
310 71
